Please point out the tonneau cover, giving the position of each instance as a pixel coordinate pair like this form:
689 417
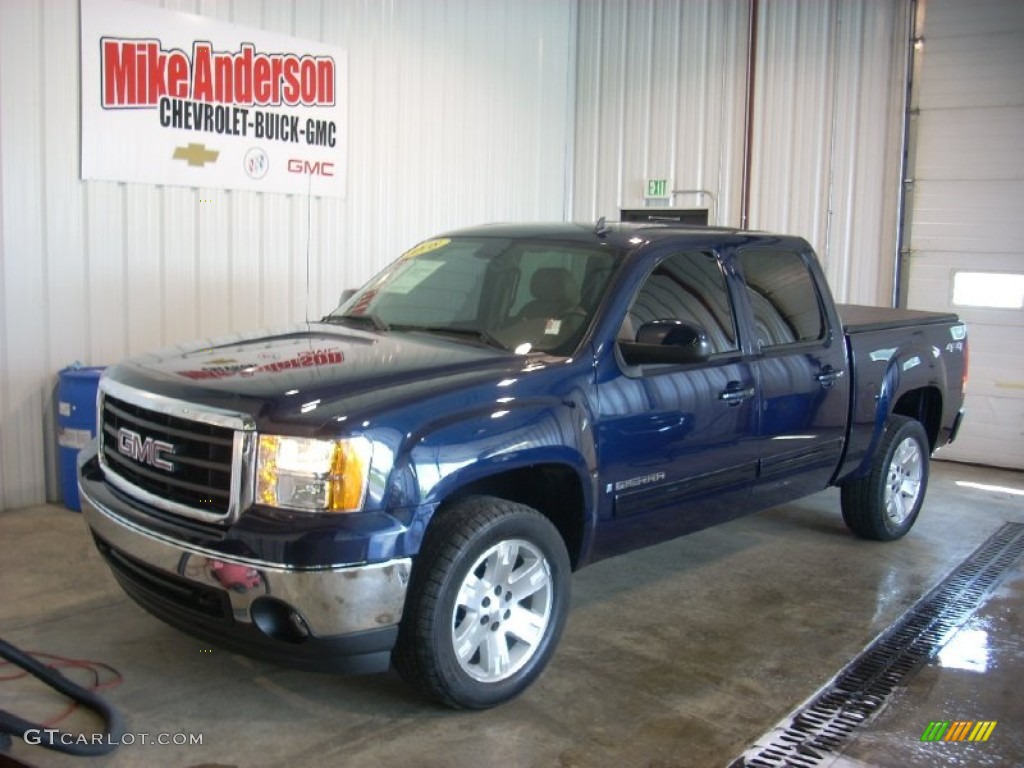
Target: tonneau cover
858 318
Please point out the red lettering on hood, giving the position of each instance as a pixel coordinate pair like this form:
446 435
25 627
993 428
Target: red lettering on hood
302 360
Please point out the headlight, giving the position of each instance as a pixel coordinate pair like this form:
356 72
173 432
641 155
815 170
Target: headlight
317 475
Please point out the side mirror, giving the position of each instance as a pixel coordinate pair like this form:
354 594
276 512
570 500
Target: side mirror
347 294
667 341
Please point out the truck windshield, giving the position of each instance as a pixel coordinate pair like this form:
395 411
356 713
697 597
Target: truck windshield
516 294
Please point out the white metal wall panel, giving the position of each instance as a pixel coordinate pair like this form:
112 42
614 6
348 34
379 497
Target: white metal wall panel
660 93
25 271
460 112
828 119
967 201
870 90
793 119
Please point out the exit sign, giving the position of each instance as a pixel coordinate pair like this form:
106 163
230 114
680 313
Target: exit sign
658 188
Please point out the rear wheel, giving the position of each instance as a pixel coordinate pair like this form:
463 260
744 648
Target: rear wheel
884 504
486 605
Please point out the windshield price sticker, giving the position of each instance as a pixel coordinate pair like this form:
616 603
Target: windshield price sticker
426 247
552 327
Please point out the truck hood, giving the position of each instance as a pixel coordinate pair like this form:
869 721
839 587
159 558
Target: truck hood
315 372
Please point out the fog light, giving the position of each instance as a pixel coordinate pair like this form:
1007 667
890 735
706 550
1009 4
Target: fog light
278 620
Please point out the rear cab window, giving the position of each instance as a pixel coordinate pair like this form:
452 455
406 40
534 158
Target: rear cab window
784 301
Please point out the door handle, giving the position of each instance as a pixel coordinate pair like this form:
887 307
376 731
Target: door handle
735 393
827 376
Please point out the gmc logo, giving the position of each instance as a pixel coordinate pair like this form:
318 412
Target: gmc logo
319 168
148 451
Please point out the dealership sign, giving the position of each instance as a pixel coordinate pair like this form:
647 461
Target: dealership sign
171 98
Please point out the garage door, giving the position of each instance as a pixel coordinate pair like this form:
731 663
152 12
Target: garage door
967 209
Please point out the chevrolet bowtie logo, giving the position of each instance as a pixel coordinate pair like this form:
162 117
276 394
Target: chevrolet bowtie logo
196 154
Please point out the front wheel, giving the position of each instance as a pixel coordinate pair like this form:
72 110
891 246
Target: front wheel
486 605
884 504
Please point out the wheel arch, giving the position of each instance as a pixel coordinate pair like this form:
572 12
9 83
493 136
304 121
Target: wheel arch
553 488
903 390
923 404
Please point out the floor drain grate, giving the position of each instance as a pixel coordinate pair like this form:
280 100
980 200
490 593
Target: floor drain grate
817 729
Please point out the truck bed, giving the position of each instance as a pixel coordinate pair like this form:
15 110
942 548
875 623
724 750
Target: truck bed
859 318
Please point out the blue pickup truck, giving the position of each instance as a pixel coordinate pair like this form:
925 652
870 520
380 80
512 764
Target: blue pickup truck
412 479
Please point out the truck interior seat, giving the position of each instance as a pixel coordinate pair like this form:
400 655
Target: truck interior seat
554 293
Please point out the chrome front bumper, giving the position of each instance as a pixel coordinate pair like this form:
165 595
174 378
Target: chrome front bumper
335 600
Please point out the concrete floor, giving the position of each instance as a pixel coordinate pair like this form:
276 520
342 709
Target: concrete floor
679 655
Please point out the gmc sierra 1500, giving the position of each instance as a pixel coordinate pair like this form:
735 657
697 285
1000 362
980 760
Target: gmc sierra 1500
413 478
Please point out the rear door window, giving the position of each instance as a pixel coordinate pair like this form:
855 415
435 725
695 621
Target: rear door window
783 297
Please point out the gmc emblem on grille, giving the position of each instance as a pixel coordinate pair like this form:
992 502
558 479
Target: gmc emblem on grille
148 451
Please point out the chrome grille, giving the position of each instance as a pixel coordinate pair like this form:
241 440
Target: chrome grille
176 456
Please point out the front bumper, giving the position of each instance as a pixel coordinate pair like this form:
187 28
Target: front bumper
341 618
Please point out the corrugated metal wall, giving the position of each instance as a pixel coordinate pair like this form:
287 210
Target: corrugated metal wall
828 119
968 201
460 112
661 93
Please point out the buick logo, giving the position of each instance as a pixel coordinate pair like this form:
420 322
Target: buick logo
144 451
256 163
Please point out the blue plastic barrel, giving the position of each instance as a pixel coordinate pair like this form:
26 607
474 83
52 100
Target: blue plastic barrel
76 424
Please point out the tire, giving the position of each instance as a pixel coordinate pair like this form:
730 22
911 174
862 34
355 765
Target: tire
884 504
474 634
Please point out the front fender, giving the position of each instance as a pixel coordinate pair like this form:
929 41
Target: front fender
485 443
502 450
